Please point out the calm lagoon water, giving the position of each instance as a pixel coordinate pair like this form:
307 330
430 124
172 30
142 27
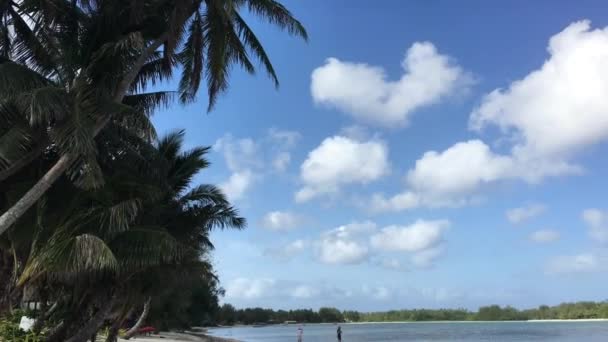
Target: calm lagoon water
436 332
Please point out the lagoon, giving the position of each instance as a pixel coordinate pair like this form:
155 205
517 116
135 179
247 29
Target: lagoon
572 331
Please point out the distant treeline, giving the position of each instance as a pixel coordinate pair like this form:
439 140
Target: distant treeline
228 315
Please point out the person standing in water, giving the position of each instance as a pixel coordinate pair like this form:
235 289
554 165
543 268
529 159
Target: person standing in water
339 333
300 334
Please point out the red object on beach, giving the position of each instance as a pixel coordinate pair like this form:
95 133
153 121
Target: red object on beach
146 330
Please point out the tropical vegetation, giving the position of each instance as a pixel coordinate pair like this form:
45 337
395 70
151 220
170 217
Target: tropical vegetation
102 221
229 315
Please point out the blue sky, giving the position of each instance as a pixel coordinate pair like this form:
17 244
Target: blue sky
416 154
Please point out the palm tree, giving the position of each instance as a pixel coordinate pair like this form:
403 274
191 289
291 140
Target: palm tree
108 250
73 67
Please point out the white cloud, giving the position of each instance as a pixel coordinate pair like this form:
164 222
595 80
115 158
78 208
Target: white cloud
427 257
359 242
304 292
581 263
237 185
287 252
281 221
245 288
419 236
339 161
548 117
239 153
344 245
544 236
333 250
282 141
458 170
518 215
399 202
597 221
285 138
363 91
247 158
560 108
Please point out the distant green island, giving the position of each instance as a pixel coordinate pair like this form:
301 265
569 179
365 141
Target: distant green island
229 315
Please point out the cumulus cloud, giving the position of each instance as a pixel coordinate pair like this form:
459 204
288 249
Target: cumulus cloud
417 237
344 245
597 221
281 220
399 202
288 251
340 161
427 257
561 107
237 184
518 215
359 242
245 288
544 236
458 170
364 92
547 116
572 264
247 158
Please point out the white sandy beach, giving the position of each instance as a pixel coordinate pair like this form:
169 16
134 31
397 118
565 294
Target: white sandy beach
177 337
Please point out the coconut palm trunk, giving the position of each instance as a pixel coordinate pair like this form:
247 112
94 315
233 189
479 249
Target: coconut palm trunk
218 37
140 321
52 175
93 324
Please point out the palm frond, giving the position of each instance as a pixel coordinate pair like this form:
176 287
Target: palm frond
153 72
204 194
277 14
16 79
78 255
146 246
191 59
250 39
185 166
46 104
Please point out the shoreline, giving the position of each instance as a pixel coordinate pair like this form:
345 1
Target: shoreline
405 322
180 337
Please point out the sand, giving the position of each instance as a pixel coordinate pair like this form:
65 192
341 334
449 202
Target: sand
177 337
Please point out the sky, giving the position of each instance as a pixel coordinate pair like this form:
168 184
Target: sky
416 154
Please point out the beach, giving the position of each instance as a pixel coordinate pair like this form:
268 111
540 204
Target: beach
178 337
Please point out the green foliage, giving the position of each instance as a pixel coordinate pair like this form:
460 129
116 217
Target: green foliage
330 315
9 329
581 310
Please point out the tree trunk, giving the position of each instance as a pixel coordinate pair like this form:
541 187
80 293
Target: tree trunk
26 201
93 325
43 317
140 321
113 331
18 209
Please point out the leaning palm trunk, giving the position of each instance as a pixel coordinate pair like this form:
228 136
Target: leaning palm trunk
218 37
52 175
93 325
140 321
115 327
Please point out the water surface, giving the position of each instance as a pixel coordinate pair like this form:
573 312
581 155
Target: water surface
436 332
